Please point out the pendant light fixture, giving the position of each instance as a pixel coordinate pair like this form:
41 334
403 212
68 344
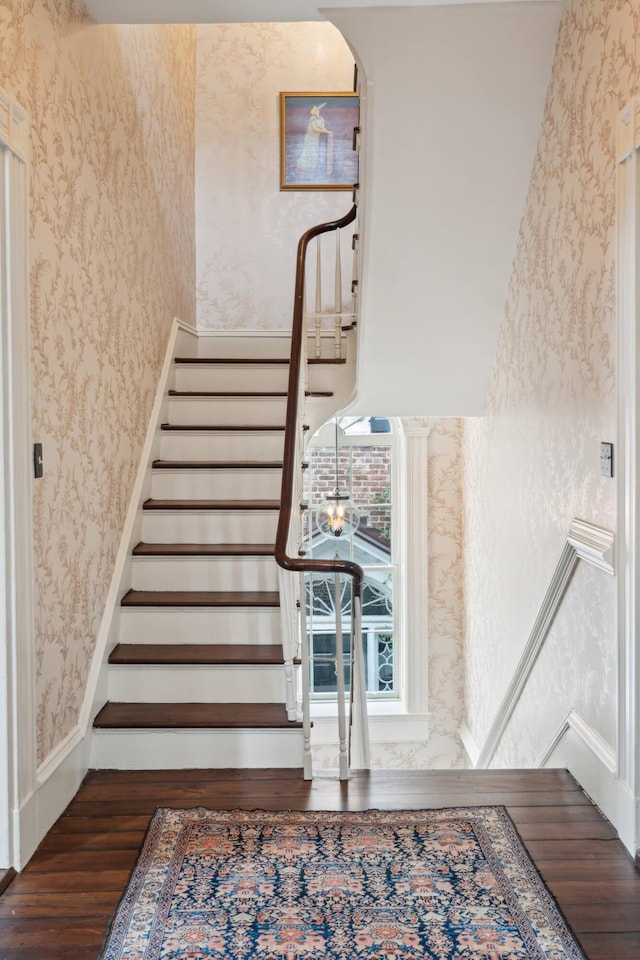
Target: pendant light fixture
337 516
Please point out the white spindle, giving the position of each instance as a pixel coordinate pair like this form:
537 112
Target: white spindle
359 753
343 759
304 667
338 299
354 277
338 275
318 297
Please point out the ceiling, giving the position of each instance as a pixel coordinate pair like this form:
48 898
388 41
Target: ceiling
236 11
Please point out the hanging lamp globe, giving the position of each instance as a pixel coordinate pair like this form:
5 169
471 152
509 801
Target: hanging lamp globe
337 516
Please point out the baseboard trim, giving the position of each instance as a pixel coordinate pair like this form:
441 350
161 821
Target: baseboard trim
57 782
604 753
61 773
578 748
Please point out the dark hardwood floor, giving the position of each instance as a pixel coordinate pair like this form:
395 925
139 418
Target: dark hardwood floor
58 908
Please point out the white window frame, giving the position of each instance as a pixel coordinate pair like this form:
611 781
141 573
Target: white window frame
404 718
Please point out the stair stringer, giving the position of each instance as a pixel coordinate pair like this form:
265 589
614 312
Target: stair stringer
96 690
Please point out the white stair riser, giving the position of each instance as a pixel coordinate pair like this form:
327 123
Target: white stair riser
215 526
204 573
200 625
207 445
234 377
253 346
216 484
234 346
185 749
262 411
198 683
324 376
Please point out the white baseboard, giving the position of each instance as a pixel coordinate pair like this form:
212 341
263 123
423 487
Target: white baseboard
62 772
578 748
57 782
599 747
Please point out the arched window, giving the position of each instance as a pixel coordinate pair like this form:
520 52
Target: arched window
368 473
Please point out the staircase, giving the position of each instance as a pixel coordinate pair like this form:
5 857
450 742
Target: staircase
197 678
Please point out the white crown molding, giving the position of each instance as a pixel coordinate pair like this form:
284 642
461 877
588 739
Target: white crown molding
593 544
585 541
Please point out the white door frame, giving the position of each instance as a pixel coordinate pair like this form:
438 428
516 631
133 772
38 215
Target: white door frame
17 654
628 471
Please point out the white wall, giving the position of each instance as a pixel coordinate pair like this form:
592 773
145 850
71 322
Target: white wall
454 102
532 464
247 230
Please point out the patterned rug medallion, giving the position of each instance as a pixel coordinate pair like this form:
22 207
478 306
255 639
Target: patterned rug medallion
391 885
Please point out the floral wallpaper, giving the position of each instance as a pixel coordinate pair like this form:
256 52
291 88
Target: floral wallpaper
247 229
532 464
443 749
112 262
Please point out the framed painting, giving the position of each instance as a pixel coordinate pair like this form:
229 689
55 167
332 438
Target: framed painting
317 141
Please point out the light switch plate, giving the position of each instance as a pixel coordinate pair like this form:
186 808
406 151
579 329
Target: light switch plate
606 459
38 467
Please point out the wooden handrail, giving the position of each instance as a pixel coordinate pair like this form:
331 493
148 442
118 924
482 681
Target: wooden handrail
284 560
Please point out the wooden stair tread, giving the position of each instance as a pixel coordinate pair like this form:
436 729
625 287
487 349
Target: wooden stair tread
198 653
193 716
152 504
201 598
222 428
241 360
217 464
231 394
204 550
264 361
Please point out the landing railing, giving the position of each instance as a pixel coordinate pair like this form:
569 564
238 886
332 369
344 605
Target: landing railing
352 731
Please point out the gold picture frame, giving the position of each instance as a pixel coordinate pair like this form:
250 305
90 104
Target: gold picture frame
318 141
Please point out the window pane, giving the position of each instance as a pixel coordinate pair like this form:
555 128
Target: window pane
377 633
371 474
374 534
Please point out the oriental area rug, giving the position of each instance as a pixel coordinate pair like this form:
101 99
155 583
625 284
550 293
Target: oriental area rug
451 884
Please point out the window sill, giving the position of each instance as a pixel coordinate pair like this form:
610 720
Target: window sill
387 727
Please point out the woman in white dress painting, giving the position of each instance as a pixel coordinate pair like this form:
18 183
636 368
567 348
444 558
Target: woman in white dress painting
313 161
